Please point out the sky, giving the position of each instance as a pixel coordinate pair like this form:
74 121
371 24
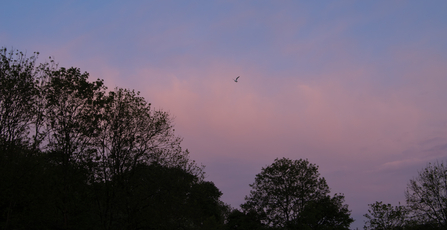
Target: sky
356 87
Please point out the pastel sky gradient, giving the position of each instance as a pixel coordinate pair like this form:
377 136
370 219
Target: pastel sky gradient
357 87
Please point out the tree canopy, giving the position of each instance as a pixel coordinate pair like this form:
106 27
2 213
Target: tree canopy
427 195
426 204
290 194
385 216
75 155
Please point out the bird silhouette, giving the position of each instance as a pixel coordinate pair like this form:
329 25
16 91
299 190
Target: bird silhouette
235 80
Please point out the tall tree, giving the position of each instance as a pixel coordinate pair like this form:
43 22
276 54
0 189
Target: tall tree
75 157
284 191
21 182
132 134
70 116
426 195
17 94
71 112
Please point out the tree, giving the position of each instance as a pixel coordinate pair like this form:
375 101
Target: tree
285 192
132 135
23 188
426 196
73 156
70 117
17 94
324 214
159 197
207 211
71 113
385 217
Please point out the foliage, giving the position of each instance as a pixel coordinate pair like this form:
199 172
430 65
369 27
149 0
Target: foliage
17 94
426 208
74 156
70 113
326 213
132 133
155 196
427 195
385 216
287 192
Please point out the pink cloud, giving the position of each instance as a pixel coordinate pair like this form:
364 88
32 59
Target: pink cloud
326 116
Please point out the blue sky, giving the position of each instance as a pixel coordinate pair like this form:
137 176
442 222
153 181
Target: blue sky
356 87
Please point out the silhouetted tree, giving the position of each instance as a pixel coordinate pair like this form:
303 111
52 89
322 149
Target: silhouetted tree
71 117
17 95
285 192
386 217
132 134
324 214
71 113
160 197
75 157
22 189
427 196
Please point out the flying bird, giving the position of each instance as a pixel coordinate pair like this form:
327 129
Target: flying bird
235 80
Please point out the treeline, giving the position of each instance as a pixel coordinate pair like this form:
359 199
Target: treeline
76 156
426 204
